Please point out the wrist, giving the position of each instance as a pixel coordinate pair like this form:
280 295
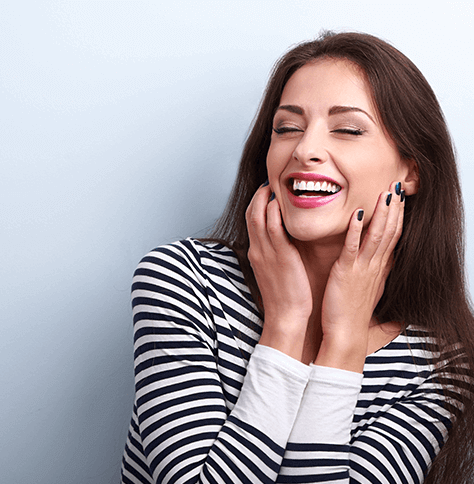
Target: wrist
285 336
346 352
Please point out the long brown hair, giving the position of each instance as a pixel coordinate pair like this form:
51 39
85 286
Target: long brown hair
427 284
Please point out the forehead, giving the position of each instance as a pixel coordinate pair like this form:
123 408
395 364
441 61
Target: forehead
327 82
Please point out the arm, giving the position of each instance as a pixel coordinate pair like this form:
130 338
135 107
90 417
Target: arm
401 435
399 422
183 422
319 445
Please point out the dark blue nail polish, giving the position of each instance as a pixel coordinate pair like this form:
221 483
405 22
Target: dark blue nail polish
398 188
402 196
272 197
360 215
266 183
389 199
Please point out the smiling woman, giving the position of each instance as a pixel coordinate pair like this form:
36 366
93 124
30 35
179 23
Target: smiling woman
329 130
322 334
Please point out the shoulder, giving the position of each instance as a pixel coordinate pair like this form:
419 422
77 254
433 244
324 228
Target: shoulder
191 265
403 365
186 257
414 360
195 284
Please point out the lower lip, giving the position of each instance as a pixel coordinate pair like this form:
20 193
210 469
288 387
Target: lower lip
311 202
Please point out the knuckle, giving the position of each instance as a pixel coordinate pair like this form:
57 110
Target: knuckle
249 211
352 248
392 229
253 256
252 220
374 270
273 228
376 237
399 230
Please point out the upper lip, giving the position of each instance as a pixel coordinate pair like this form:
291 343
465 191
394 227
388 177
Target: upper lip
311 177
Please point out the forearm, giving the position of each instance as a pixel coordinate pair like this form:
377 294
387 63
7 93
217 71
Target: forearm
191 429
318 447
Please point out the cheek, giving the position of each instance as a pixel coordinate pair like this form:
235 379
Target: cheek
365 186
276 163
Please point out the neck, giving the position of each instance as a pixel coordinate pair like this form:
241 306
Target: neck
318 260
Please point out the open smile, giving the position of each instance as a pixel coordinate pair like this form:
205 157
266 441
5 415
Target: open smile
310 190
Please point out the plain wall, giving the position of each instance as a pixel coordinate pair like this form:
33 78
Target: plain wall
121 129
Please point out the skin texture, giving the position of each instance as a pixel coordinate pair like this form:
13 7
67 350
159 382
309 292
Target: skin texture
320 285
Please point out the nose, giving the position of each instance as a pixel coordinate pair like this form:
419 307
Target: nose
312 147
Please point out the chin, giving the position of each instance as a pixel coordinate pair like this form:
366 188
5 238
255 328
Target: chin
314 234
305 234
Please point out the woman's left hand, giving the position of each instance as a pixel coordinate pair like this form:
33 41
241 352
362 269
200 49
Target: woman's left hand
356 284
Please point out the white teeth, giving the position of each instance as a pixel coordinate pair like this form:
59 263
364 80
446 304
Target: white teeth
315 186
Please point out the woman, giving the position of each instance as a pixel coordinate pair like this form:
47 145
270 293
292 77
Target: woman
341 254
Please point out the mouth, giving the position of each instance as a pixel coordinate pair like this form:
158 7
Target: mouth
312 188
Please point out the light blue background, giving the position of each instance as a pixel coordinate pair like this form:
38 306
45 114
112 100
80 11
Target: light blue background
121 129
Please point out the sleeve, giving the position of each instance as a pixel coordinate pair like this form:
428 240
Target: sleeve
185 430
319 444
400 442
291 423
396 444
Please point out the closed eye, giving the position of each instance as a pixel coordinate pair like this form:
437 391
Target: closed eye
354 132
286 130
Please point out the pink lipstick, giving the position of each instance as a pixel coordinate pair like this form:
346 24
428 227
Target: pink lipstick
311 201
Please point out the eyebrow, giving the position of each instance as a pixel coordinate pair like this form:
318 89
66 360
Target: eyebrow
348 109
291 109
332 111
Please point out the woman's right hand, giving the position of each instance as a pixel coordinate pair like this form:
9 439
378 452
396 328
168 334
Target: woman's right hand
280 274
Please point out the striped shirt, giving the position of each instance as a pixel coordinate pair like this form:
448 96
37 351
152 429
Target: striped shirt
213 406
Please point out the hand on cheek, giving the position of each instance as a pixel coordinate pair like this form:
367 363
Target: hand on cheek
356 283
280 275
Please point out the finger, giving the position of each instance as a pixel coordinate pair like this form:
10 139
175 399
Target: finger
275 229
393 224
261 191
384 234
399 222
375 234
383 279
351 246
256 216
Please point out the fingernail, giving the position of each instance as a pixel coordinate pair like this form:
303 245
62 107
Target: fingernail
389 199
398 188
272 197
360 215
266 183
402 196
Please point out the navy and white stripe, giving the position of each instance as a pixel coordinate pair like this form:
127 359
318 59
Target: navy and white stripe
212 406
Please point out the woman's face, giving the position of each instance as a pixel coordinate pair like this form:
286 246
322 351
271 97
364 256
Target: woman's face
329 154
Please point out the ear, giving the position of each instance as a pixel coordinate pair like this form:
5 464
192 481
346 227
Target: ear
411 182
